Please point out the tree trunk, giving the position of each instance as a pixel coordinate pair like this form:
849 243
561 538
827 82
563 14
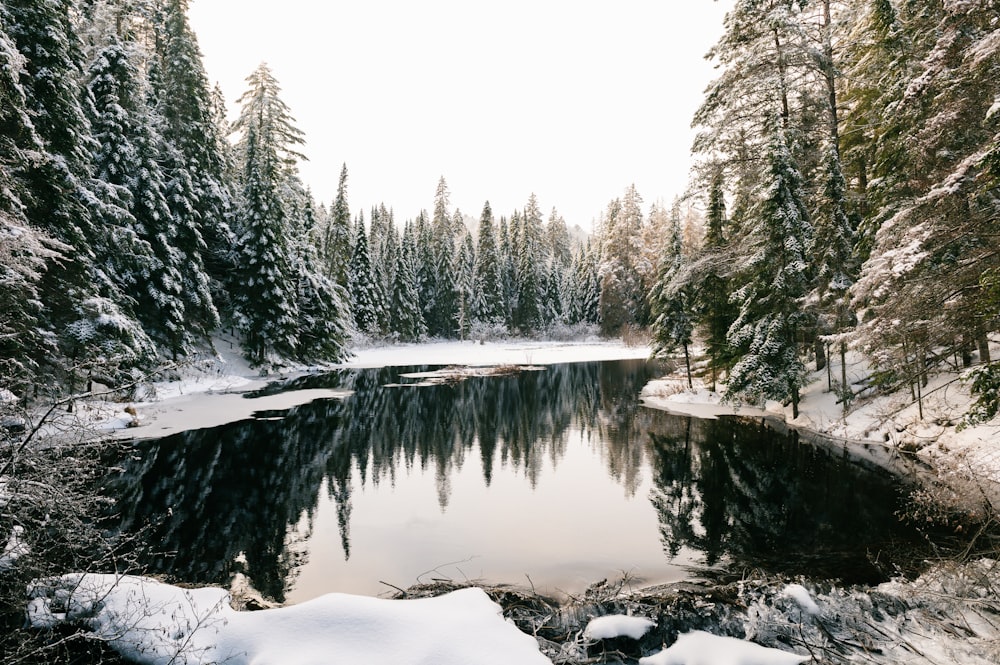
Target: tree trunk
687 363
844 387
984 349
829 370
820 348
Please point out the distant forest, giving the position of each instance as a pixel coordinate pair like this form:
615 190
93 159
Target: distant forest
845 196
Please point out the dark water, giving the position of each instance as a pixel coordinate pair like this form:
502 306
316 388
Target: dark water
555 478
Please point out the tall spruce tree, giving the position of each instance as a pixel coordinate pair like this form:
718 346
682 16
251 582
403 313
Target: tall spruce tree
194 162
266 292
25 251
337 241
83 308
464 279
139 225
488 306
774 280
672 302
367 304
407 317
530 261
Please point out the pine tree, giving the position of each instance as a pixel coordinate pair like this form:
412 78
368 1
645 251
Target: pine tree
441 315
933 227
424 264
82 306
557 236
408 323
622 296
508 266
367 305
530 275
712 286
552 311
488 306
464 279
266 293
337 241
585 291
321 303
194 163
139 226
25 251
672 301
774 281
835 261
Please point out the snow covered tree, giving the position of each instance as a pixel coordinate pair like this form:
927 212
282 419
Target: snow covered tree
711 280
774 280
672 302
367 304
25 251
623 300
552 302
441 314
488 305
194 162
139 228
464 276
585 287
337 241
321 304
82 307
406 316
934 229
835 260
266 291
530 255
508 265
558 240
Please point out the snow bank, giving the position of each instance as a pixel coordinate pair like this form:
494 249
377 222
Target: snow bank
155 623
617 625
14 549
801 596
701 648
513 352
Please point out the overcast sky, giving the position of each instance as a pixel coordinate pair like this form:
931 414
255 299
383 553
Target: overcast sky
569 99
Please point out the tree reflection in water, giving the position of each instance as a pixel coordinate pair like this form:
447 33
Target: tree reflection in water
241 497
742 493
244 497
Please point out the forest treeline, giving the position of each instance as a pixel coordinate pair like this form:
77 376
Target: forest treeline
845 194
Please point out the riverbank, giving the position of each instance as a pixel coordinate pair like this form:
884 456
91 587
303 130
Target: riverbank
885 426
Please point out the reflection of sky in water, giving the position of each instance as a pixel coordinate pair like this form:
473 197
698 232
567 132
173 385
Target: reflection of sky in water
576 527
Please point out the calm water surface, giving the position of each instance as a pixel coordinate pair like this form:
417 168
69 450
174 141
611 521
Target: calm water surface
555 478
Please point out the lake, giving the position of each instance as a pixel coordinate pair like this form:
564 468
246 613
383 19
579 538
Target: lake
552 478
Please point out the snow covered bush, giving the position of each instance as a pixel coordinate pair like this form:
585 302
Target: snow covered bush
985 384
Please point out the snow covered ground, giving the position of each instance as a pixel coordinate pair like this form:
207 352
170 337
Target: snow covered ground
159 624
892 421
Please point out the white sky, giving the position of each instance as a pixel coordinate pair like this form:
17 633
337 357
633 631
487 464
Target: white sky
570 99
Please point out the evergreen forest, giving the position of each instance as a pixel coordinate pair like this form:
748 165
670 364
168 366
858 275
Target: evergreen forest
845 197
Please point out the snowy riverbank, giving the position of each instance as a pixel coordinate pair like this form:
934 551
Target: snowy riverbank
891 421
